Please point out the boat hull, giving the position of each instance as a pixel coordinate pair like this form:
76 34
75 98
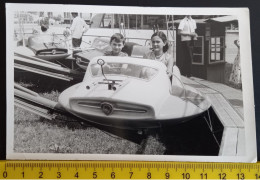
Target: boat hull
126 122
136 124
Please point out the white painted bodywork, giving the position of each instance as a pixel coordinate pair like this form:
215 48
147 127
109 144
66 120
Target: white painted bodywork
155 93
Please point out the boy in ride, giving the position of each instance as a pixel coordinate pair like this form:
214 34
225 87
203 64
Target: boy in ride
117 42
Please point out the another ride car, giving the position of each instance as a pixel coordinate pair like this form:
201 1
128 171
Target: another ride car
46 46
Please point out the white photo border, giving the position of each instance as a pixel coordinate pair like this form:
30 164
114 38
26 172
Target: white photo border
247 80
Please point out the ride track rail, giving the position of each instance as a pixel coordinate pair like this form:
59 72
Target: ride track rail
33 102
43 67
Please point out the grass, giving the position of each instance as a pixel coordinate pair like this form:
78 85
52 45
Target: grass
37 135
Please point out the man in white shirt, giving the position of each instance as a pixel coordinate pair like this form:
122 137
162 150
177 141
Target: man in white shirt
78 28
187 29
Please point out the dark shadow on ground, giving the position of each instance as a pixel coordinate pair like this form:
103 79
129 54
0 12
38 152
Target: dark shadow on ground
194 137
42 84
198 136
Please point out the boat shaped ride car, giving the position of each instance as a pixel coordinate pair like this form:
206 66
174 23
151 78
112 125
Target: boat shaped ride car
46 46
132 93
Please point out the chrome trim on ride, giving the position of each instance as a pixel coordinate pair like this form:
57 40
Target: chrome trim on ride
51 52
115 109
119 109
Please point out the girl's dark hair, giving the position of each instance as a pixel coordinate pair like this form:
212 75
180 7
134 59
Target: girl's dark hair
161 35
118 38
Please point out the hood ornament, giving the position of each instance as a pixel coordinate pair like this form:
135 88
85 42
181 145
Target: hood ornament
107 108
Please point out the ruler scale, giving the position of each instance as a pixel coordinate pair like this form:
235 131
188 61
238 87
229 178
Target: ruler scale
126 170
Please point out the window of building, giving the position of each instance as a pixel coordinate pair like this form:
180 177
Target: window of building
121 21
135 21
217 49
154 21
198 51
106 21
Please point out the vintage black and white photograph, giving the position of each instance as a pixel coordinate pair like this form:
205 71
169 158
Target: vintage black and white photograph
129 83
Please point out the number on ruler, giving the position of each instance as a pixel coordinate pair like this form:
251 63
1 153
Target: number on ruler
113 175
222 176
240 176
186 175
23 174
58 174
149 175
204 176
167 175
4 174
40 174
77 175
257 176
94 175
131 174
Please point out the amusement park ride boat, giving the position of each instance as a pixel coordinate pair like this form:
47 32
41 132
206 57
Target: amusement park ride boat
131 93
46 46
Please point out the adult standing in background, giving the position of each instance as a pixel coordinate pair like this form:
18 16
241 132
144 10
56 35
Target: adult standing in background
78 28
235 76
187 29
44 21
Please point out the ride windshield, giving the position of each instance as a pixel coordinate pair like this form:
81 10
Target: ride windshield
124 69
101 45
47 40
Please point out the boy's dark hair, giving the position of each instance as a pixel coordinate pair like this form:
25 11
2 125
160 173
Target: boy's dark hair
44 28
118 38
161 35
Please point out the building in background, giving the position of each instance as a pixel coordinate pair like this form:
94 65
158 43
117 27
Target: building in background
67 17
214 51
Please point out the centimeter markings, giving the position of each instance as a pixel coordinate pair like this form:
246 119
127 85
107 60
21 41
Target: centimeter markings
126 170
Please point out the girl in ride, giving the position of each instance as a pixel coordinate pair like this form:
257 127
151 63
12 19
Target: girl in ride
160 47
159 53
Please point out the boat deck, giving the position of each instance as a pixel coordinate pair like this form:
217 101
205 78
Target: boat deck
227 103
